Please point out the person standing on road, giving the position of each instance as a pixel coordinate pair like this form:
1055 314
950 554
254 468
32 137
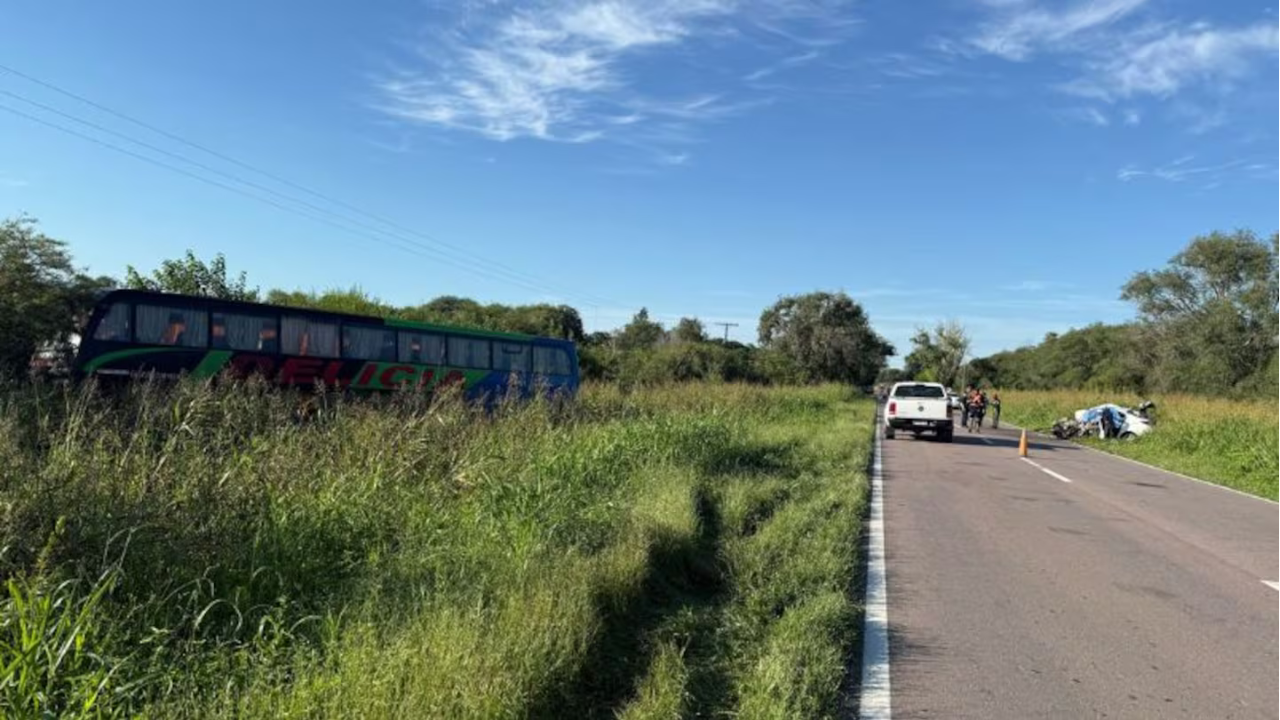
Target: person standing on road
995 409
976 404
964 406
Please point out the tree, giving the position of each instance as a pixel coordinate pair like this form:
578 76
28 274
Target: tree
827 336
557 321
640 333
891 375
192 276
43 298
689 330
1209 316
353 301
1098 357
451 310
939 355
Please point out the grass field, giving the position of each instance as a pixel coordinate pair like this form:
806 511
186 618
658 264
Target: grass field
1230 442
199 552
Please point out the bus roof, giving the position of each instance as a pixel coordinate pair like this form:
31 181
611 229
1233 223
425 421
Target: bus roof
126 294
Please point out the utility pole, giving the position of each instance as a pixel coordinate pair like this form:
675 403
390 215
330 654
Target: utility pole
726 327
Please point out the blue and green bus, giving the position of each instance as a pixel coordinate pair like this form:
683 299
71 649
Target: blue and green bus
137 332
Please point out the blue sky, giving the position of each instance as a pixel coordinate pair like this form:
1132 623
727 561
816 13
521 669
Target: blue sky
1004 163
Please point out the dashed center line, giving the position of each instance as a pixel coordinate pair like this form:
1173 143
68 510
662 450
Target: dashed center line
1274 585
1046 470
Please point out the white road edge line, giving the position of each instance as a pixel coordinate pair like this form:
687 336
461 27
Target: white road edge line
1272 584
873 702
1149 466
1046 470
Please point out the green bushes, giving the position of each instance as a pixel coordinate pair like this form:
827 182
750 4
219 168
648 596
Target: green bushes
201 551
688 362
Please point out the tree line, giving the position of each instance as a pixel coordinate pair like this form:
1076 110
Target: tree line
1206 323
809 338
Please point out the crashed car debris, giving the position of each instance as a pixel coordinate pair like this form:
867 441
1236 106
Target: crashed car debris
1107 421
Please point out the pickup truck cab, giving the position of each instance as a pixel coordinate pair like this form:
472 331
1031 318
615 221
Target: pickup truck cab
918 407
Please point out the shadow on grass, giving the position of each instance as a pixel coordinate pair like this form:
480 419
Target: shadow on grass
682 595
781 459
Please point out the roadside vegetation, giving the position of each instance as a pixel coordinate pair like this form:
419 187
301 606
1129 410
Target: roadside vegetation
201 551
1206 325
1229 442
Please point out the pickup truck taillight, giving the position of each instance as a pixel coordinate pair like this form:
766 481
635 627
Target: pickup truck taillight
893 408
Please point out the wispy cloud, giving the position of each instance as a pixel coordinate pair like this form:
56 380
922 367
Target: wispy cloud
1035 286
1019 30
1122 50
12 182
1088 115
1166 61
569 70
783 64
1186 169
908 66
674 159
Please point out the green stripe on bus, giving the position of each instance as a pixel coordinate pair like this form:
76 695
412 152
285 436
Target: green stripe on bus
471 377
211 364
93 365
411 325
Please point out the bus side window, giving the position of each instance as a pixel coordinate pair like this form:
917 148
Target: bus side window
114 324
421 348
311 338
469 352
218 332
551 361
511 356
233 331
365 342
177 327
268 336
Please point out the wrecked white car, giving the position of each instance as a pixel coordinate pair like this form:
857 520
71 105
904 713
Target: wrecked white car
1107 421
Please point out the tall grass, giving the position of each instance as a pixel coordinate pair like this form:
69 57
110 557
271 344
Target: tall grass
205 551
1230 442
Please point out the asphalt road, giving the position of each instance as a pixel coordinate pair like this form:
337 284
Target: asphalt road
1112 590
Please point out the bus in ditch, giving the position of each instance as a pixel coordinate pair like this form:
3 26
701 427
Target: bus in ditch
137 332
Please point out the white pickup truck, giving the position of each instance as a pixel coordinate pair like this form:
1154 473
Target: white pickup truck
918 407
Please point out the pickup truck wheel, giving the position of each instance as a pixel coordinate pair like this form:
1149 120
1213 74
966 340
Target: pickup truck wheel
888 433
945 436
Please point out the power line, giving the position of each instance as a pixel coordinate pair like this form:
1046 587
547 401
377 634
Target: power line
252 168
460 263
238 191
514 276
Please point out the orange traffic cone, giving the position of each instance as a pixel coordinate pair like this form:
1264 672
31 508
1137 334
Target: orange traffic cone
1022 445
